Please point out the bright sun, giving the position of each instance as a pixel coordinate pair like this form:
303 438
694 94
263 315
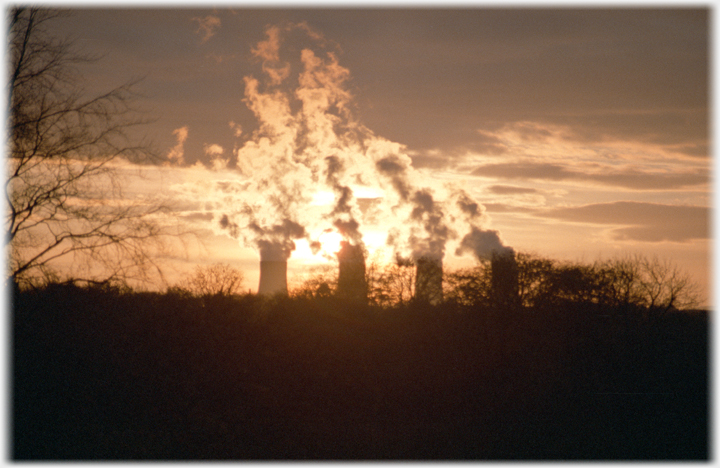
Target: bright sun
330 241
374 240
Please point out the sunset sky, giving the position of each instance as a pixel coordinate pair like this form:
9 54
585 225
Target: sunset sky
582 134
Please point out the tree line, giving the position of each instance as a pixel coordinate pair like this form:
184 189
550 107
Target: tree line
631 284
634 282
203 372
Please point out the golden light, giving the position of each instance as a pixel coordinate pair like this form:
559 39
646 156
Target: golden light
323 198
375 242
330 242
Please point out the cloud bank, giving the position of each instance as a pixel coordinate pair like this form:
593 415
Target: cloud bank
641 222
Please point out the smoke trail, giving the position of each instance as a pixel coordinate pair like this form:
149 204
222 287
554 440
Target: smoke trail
482 243
469 207
276 242
430 216
300 122
429 231
396 170
344 220
308 143
232 227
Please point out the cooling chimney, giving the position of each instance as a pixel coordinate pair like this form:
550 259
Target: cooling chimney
504 278
273 272
273 277
351 275
428 280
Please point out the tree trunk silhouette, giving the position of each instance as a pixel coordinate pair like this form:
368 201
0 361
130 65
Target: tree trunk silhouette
67 219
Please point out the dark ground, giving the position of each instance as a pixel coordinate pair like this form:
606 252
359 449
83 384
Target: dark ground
103 375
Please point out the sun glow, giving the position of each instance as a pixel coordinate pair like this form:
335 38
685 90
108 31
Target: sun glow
323 198
330 239
330 242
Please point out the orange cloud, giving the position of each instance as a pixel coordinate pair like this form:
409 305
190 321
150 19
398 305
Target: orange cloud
207 26
638 221
269 52
630 178
177 152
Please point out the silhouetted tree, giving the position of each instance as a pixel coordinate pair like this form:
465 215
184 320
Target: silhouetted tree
390 284
574 283
620 278
319 281
534 274
64 197
624 284
217 279
469 286
664 286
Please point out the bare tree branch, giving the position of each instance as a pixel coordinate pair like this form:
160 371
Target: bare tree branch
65 203
217 279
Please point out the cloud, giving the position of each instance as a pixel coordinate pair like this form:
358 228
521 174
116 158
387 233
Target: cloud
510 190
269 49
639 221
601 174
456 145
196 216
430 161
213 149
236 128
207 26
695 150
667 128
269 52
507 208
177 152
483 244
308 143
637 75
215 152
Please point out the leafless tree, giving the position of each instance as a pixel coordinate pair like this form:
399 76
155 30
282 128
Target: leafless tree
632 283
319 281
664 286
390 284
469 286
640 282
217 279
66 217
620 278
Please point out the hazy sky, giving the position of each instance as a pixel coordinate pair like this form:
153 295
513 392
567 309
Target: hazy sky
582 133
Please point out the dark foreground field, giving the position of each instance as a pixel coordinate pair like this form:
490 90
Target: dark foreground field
103 375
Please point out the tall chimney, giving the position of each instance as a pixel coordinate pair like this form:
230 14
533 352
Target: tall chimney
351 275
428 280
273 277
273 270
504 279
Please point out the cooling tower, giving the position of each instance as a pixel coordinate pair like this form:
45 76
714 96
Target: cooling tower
351 275
273 277
428 280
504 279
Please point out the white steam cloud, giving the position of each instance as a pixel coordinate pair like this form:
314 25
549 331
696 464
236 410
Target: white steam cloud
308 143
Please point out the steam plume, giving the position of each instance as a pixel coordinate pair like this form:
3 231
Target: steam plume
344 220
483 244
307 143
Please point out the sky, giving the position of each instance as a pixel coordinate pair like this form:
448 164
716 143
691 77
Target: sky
577 134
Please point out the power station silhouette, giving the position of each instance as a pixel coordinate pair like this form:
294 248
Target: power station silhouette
352 282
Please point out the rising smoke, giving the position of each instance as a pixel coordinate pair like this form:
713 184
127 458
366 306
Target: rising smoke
343 218
483 244
307 143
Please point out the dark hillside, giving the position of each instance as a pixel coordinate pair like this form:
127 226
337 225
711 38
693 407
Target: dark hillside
100 374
